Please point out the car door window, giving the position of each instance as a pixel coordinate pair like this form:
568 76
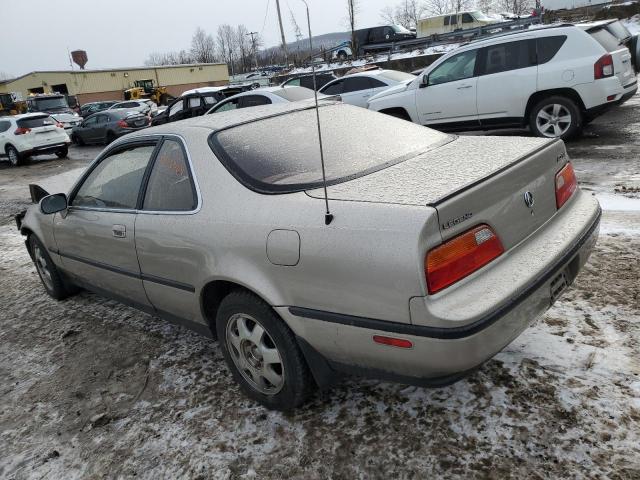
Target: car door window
226 106
334 89
508 56
458 67
375 83
170 186
90 122
467 18
4 126
209 100
548 47
115 181
102 119
446 21
355 84
194 102
293 83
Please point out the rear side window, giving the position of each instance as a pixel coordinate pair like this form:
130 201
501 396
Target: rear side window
35 122
254 101
334 88
115 181
375 83
4 126
548 47
170 186
604 38
507 56
355 84
293 83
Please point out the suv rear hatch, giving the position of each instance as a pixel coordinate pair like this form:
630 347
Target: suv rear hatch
615 46
471 181
41 129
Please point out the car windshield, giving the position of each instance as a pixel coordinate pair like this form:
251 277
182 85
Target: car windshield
400 29
293 93
51 103
280 154
480 16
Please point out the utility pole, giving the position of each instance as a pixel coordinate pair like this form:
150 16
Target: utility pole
253 46
284 42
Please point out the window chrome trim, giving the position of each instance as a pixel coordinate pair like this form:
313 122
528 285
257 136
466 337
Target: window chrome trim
133 141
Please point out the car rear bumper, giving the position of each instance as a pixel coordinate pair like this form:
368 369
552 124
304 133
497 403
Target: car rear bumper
44 149
439 355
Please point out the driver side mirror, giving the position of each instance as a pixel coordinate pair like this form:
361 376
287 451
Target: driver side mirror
53 203
424 82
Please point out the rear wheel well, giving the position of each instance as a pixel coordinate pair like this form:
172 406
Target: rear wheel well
212 295
563 92
397 112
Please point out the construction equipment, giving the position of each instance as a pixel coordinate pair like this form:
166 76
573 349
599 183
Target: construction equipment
146 89
12 104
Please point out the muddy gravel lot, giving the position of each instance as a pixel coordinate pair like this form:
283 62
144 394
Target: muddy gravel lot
93 389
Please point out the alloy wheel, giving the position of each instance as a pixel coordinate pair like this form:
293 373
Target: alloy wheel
255 354
13 156
43 268
553 120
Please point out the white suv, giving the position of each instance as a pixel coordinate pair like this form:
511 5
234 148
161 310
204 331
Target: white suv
553 79
30 134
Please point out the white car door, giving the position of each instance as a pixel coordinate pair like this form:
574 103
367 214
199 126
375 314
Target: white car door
449 95
512 66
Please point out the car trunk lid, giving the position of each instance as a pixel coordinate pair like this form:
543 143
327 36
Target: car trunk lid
615 46
470 181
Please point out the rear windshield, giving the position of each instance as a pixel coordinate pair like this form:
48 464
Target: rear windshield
618 30
604 38
35 122
293 93
281 154
397 76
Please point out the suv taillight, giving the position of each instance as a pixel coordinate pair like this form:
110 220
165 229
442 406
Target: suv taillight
123 124
461 256
603 68
22 131
566 184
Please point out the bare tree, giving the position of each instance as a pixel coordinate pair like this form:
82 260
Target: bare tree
227 45
352 11
5 76
486 6
169 58
388 15
409 12
203 47
518 7
244 47
438 7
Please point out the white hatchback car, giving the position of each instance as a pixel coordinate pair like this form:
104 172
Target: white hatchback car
144 105
263 96
553 79
357 88
22 136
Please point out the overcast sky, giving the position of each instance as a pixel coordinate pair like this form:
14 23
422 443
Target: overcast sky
121 33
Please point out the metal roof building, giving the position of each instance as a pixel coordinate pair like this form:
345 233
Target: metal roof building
95 85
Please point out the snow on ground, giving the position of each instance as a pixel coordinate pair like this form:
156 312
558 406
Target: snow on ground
633 24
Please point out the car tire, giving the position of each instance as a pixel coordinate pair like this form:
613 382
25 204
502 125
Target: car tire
555 117
342 55
15 158
63 152
249 332
49 274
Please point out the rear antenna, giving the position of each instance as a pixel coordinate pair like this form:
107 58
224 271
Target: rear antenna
328 216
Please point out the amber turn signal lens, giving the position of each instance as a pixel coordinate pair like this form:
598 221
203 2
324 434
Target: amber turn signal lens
461 256
566 184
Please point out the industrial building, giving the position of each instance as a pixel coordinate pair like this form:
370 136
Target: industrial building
95 85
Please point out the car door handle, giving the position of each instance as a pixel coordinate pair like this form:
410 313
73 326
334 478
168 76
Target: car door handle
119 231
464 86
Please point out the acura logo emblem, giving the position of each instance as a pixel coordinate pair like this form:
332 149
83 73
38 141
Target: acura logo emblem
529 201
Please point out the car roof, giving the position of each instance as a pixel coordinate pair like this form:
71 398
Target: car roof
204 90
28 115
538 31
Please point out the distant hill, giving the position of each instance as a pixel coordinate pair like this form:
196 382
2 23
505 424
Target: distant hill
327 40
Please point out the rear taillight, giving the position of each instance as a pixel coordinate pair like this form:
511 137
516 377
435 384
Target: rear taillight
566 184
123 124
392 341
603 68
22 130
461 256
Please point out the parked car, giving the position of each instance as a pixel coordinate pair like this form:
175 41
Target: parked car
263 96
553 79
451 22
29 134
357 88
95 107
306 81
421 274
104 127
143 106
193 103
369 37
611 34
55 104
